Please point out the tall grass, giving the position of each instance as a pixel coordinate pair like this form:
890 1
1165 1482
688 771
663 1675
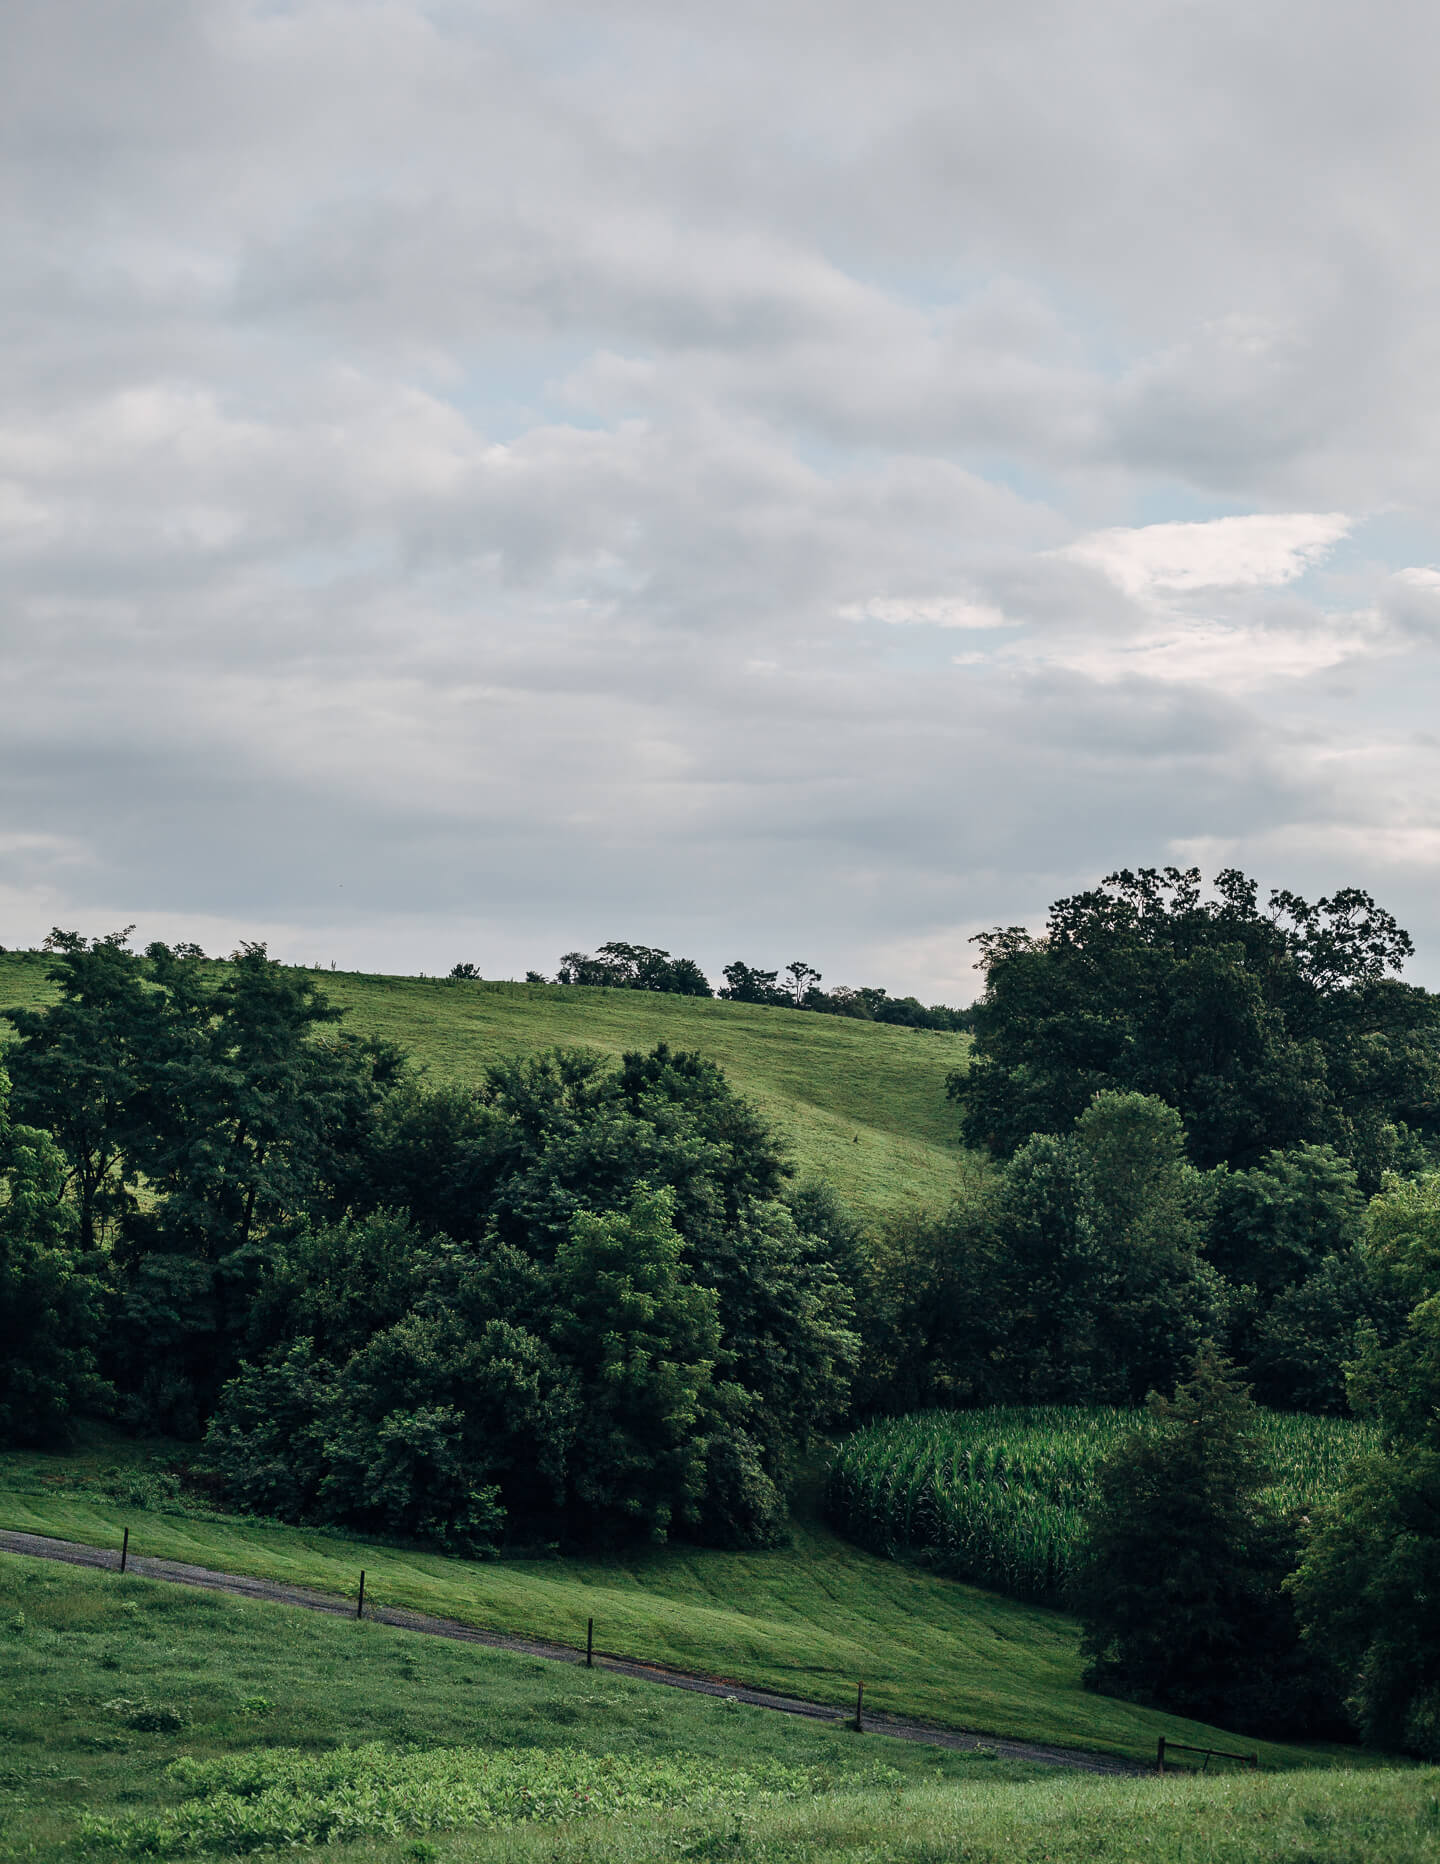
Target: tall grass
997 1496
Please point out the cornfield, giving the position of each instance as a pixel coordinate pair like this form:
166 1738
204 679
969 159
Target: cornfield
997 1496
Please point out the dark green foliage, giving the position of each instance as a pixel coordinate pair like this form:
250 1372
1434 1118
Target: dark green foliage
75 1071
1264 1030
1074 1274
234 1101
1181 1594
800 990
1296 1352
620 966
1274 1224
1368 1588
599 1301
51 1293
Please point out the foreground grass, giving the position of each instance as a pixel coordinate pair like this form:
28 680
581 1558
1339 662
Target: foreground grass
107 1683
150 1714
808 1619
863 1106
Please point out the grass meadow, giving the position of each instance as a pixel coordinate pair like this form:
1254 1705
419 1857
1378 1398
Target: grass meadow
861 1105
141 1720
808 1619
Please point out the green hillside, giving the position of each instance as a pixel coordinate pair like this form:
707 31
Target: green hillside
125 1704
862 1105
808 1619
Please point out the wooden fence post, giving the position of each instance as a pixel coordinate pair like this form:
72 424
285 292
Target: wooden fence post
1160 1755
125 1550
360 1605
860 1707
589 1643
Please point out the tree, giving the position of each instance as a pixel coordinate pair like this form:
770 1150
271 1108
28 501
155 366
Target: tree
621 966
50 1292
1099 1291
75 1070
1181 1598
744 984
601 1297
1276 1223
1264 1030
801 980
643 1337
1368 1587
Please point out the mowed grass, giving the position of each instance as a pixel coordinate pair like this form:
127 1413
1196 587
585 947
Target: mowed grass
862 1106
809 1619
106 1682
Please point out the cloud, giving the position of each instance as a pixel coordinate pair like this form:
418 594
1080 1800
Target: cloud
504 477
1259 551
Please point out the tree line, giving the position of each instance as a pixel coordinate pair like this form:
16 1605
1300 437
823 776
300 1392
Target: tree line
618 965
576 1302
1217 1133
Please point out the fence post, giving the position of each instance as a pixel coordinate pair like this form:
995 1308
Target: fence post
589 1643
860 1707
1255 1760
360 1606
1160 1755
125 1550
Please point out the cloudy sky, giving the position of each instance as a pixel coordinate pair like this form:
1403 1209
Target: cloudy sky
801 478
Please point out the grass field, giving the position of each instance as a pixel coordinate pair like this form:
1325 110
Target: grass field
862 1105
808 1619
156 1716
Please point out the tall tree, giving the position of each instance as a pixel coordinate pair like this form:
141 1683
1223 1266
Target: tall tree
1368 1588
1182 1598
76 1071
1265 1030
50 1293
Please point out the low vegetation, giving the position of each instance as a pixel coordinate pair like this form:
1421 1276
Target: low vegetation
998 1496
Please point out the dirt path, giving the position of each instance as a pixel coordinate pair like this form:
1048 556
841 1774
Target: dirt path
40 1547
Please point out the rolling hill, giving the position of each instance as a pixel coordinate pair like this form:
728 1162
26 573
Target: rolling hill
862 1105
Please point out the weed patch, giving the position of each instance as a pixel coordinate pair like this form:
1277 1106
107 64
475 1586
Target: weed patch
280 1798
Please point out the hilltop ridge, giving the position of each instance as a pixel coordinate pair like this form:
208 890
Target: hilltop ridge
861 1105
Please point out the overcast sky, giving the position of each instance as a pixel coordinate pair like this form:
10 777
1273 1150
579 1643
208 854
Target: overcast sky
800 479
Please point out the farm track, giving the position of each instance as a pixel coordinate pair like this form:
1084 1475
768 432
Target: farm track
240 1585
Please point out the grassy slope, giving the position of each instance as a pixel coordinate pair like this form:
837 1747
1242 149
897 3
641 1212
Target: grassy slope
825 1081
77 1648
808 1619
73 1642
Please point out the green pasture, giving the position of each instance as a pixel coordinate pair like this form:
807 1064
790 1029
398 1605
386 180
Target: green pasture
106 1681
862 1105
809 1619
126 1704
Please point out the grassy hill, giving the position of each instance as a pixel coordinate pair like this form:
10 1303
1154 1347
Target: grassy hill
808 1619
862 1105
130 1702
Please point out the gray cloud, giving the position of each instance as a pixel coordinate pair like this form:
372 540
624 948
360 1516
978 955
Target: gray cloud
500 477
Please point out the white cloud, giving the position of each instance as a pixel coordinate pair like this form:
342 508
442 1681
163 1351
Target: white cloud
936 611
1258 551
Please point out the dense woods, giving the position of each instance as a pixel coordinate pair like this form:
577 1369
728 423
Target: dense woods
578 1302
